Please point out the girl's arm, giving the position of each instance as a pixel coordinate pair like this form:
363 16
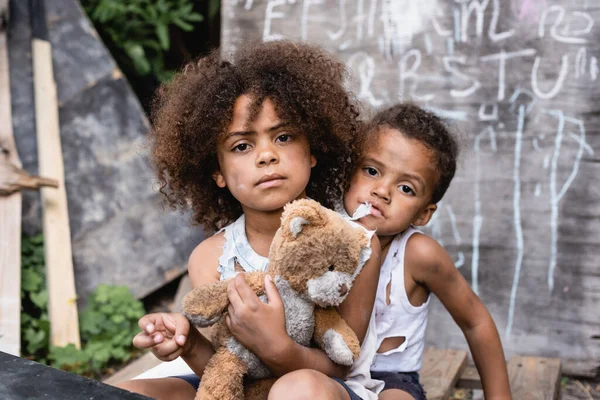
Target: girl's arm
169 336
430 265
261 327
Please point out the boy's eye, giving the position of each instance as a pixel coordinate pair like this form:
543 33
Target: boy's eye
371 171
241 147
406 189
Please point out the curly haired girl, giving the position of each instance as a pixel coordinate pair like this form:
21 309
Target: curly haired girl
235 141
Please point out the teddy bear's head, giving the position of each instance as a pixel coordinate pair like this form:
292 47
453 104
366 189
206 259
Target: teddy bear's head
318 251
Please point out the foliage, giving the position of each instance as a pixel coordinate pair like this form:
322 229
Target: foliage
107 325
139 29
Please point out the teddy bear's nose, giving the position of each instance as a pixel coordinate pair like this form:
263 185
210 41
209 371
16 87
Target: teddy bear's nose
343 289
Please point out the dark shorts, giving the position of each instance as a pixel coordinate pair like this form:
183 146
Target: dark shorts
195 382
406 381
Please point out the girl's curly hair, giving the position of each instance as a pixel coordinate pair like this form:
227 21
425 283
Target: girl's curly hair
191 112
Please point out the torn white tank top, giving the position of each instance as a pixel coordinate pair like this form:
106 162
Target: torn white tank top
238 253
399 318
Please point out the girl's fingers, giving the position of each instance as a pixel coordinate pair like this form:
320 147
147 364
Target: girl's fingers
272 293
247 295
235 300
143 341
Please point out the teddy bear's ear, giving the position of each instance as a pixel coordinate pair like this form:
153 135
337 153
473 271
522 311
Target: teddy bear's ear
300 213
296 225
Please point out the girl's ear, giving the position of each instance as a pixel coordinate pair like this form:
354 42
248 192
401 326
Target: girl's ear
313 161
425 215
219 179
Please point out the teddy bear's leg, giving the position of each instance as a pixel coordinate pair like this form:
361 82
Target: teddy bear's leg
334 336
259 390
223 377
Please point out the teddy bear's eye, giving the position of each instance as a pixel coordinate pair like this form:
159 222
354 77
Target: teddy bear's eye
331 267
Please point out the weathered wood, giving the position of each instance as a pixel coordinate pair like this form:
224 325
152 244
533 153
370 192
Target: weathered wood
520 80
14 178
469 378
10 214
185 286
133 369
441 370
62 304
533 378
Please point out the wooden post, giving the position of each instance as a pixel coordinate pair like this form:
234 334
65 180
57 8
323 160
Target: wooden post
10 213
62 306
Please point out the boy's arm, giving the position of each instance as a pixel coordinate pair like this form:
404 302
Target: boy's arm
263 330
429 265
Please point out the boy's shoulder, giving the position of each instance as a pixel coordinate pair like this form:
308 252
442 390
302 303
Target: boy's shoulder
425 257
203 263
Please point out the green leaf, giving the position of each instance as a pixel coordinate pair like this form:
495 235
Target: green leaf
40 299
30 280
183 25
194 17
137 55
162 32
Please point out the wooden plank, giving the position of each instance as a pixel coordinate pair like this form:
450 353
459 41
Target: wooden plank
441 370
10 213
62 306
185 286
135 368
469 379
534 378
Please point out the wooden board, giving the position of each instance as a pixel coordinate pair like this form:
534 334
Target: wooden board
10 214
520 81
60 280
534 378
441 370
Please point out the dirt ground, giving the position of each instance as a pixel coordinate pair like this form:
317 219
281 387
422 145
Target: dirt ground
571 389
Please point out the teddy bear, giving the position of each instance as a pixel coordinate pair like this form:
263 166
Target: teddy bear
315 256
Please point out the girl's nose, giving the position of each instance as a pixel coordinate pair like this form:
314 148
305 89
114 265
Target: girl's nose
267 155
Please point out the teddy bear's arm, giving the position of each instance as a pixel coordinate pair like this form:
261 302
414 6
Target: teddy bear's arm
335 337
205 304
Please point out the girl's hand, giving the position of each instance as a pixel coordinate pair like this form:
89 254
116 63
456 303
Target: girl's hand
168 336
258 326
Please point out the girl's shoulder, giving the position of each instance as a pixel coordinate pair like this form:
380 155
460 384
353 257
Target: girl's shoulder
203 263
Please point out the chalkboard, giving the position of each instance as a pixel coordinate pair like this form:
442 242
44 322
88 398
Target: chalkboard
519 79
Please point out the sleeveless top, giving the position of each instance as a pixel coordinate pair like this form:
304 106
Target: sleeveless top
237 252
399 318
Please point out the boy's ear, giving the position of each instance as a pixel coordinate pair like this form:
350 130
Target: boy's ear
219 179
313 161
425 215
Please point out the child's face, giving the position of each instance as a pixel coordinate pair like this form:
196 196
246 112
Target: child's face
397 176
264 163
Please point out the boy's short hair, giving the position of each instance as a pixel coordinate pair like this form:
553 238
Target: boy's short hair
192 111
418 124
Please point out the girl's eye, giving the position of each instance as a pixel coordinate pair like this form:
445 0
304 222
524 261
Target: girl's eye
241 147
284 138
406 189
371 171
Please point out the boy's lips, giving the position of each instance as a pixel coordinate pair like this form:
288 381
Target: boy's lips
376 212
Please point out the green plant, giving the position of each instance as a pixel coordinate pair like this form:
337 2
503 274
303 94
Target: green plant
107 325
140 29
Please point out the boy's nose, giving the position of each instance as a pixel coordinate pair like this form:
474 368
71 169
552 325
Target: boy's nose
381 192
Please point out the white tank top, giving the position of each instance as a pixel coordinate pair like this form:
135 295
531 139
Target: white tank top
238 253
399 318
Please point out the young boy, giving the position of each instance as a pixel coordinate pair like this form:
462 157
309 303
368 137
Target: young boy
408 161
